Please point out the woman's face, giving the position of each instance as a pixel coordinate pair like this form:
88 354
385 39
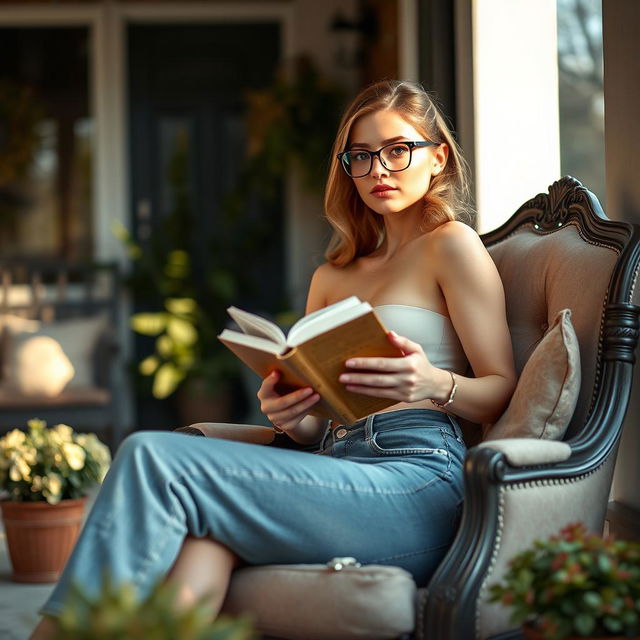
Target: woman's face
393 192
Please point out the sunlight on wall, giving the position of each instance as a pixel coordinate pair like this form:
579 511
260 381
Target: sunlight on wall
515 86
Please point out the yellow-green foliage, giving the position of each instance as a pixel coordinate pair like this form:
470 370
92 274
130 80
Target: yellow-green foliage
117 614
50 463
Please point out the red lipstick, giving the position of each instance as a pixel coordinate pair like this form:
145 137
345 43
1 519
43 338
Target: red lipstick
382 190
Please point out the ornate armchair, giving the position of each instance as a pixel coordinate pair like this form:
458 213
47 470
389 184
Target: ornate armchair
557 251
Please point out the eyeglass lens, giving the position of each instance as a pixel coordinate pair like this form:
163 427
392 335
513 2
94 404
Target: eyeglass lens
394 157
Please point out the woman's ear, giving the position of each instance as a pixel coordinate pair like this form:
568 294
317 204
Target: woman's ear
440 157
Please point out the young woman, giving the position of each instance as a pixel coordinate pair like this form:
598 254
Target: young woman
193 509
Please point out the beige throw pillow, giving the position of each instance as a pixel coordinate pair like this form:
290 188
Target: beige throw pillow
546 394
78 338
41 367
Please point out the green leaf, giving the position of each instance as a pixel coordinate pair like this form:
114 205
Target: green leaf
166 380
149 365
182 331
612 624
584 624
165 346
604 563
177 264
592 599
181 306
149 324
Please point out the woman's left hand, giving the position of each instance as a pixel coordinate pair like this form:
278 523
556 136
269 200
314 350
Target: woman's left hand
409 378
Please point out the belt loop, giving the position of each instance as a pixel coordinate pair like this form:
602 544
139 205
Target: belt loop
368 428
327 431
457 430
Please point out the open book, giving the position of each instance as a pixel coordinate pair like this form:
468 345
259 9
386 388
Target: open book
314 352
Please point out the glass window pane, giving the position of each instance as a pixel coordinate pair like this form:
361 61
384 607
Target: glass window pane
46 161
581 92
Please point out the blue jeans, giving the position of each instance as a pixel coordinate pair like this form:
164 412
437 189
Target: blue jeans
387 490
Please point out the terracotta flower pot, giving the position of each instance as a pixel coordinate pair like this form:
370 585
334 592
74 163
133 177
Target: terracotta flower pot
40 537
529 633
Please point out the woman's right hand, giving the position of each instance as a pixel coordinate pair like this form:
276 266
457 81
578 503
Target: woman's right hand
285 412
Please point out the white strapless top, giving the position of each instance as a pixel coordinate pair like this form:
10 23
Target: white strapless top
433 331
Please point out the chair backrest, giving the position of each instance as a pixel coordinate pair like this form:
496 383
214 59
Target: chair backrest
558 251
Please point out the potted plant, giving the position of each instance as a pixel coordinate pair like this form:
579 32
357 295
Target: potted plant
186 356
45 475
574 584
117 613
181 302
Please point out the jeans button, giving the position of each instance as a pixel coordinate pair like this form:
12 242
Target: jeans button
341 433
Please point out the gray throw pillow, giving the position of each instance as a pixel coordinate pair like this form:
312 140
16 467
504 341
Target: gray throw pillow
547 391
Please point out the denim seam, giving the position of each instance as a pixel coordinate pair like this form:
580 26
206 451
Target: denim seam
444 434
376 448
370 439
254 475
410 555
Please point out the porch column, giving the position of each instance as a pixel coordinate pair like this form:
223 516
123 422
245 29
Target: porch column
622 153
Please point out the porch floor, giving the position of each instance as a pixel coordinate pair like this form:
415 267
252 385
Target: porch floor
19 603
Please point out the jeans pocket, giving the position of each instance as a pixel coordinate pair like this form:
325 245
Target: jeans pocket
409 441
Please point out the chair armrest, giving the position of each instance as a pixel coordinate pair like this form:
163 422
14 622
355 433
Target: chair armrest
521 452
241 432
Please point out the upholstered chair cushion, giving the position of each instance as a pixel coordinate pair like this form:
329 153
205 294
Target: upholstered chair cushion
547 391
316 602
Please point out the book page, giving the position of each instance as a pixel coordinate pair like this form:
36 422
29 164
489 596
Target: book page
326 318
262 344
255 325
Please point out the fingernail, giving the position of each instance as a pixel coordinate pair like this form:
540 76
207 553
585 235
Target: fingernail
350 363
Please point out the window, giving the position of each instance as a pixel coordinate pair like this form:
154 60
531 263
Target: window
46 143
581 92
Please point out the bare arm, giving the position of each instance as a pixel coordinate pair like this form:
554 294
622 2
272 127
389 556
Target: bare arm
474 294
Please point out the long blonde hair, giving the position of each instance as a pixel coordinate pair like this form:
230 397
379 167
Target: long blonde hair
357 230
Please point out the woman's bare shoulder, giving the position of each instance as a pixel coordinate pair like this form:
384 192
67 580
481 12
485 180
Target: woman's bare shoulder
323 282
453 233
456 252
454 240
326 274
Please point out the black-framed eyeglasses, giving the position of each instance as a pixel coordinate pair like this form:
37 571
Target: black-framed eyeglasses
396 156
